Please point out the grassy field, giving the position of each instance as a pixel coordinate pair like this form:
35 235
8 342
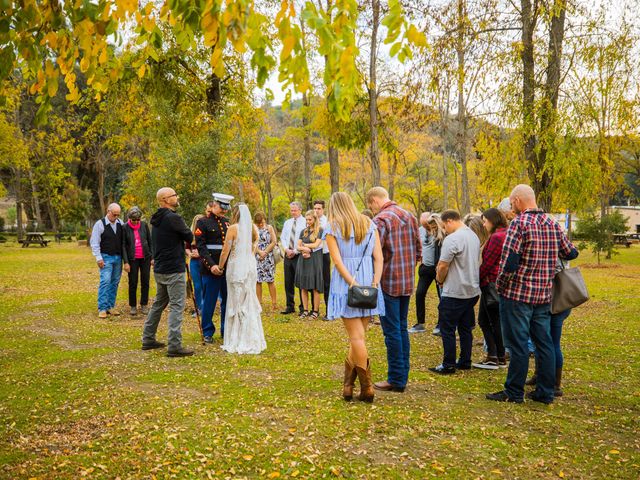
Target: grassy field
78 399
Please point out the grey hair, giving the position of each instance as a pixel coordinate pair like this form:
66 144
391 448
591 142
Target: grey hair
298 205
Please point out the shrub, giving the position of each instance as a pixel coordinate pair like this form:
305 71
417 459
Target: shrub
599 231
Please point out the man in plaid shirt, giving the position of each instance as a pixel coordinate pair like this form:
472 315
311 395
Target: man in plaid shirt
533 244
401 250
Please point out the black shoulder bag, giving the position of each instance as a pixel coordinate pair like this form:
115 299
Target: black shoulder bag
359 296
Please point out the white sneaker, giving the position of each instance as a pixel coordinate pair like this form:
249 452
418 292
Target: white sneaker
486 364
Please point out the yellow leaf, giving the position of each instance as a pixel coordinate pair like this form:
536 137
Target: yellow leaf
274 475
614 452
141 71
287 46
84 64
103 56
561 474
295 473
247 457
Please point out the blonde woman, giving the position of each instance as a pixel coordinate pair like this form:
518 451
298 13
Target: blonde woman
431 236
191 251
309 277
243 325
354 245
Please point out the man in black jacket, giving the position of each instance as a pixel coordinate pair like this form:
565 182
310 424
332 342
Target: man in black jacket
168 237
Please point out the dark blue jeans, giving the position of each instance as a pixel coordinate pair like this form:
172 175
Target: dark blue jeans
396 339
519 321
557 320
196 278
212 287
456 313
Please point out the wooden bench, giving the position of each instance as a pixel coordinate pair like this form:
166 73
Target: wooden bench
36 238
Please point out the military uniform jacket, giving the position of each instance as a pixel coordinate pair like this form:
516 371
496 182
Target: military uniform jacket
210 232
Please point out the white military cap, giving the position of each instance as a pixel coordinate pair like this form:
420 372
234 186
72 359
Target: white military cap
505 205
223 200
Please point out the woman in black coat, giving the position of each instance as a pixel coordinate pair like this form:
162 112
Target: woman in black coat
136 254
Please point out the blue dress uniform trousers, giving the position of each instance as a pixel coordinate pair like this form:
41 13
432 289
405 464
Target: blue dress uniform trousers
213 286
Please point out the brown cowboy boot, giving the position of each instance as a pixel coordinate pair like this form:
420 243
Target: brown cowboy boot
558 389
366 385
350 375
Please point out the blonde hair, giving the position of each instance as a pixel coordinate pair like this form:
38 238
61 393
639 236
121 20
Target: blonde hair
434 221
194 222
313 231
474 222
377 192
344 216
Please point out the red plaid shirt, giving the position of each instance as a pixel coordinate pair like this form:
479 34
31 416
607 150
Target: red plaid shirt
491 254
401 249
539 240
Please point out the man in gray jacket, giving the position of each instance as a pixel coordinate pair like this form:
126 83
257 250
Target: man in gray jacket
169 235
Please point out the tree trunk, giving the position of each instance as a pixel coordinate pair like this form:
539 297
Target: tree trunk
445 181
462 117
19 203
373 96
548 117
35 200
393 169
334 168
306 103
528 91
214 95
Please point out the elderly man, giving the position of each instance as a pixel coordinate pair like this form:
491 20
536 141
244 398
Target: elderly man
529 256
168 236
106 245
401 250
290 234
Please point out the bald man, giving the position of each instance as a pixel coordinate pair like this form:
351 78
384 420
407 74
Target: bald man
533 244
106 245
168 238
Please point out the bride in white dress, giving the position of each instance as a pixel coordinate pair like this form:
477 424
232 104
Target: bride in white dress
243 326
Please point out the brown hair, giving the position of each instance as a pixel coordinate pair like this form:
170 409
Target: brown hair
474 222
450 215
496 217
259 217
344 216
235 218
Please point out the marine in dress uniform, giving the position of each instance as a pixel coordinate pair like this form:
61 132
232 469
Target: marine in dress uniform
210 234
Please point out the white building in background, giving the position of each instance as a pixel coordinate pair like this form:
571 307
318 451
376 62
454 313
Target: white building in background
633 217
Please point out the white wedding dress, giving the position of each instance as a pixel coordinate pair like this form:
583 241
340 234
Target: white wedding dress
243 331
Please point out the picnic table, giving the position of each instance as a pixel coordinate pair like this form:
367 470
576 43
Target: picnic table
623 239
35 238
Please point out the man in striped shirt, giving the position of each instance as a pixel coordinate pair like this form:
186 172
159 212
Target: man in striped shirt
530 253
401 249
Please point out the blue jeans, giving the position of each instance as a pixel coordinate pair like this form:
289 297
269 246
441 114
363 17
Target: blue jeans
109 281
557 320
196 278
519 321
396 339
213 286
456 313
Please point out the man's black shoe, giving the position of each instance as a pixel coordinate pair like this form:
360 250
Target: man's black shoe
208 340
153 345
182 352
461 366
502 396
442 370
537 398
287 312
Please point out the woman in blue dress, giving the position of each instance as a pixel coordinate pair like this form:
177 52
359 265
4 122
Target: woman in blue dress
354 245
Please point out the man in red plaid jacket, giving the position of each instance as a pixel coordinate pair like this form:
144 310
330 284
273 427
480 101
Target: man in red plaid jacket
401 249
529 256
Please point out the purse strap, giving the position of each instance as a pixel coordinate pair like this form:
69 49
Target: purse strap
362 258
